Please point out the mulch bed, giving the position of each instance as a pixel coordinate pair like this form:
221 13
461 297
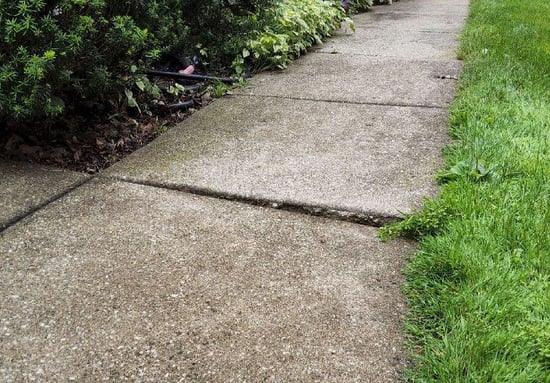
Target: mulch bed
85 142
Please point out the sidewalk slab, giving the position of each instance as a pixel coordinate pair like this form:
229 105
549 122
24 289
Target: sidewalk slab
408 17
393 42
398 34
361 79
126 282
410 22
25 187
373 160
426 7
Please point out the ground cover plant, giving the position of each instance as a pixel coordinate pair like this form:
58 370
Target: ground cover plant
293 27
479 288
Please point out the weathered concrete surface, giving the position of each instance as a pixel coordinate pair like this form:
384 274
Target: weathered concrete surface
25 187
122 282
361 79
419 45
356 132
376 160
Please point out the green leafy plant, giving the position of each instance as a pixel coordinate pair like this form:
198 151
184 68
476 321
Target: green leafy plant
430 220
474 171
221 26
176 89
360 5
291 28
69 54
218 89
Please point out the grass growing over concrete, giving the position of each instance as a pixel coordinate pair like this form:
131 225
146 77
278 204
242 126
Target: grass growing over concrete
479 288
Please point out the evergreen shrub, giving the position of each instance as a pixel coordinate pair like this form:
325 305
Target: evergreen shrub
59 54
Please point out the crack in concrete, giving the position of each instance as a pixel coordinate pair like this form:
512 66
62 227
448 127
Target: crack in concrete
447 77
368 219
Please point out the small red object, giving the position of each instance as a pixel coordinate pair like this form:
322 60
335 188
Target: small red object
189 70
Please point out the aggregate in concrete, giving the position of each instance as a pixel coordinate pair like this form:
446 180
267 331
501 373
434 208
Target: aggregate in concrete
124 282
362 79
25 187
375 160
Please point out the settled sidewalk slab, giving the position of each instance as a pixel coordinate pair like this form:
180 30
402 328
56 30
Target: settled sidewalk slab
371 160
128 282
26 187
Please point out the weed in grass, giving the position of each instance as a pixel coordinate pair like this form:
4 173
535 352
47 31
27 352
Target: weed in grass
474 171
428 221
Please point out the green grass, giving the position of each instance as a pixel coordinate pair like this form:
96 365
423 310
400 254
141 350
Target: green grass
479 288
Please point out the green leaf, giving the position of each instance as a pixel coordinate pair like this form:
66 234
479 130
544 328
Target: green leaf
140 85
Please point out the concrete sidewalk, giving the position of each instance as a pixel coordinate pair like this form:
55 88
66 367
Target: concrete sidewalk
221 252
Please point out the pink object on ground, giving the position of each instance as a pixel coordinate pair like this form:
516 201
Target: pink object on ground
189 70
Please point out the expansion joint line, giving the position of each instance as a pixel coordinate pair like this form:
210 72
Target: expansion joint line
317 211
34 209
404 105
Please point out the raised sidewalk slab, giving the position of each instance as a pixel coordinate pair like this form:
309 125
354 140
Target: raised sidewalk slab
126 282
375 161
26 187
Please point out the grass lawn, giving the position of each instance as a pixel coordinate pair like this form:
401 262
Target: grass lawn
479 288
